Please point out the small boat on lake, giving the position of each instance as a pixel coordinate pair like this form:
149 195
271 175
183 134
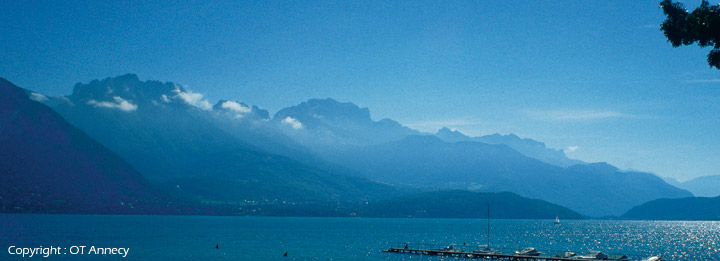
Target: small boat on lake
486 250
445 248
593 255
557 220
530 251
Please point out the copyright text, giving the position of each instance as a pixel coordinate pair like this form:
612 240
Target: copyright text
72 250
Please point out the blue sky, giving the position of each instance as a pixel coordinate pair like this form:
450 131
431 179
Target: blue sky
596 78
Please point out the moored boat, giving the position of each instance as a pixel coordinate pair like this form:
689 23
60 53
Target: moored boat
593 255
530 251
486 250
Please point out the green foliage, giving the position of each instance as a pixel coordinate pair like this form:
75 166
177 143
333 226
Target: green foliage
702 25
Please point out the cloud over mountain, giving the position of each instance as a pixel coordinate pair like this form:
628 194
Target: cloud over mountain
235 106
292 122
194 99
117 103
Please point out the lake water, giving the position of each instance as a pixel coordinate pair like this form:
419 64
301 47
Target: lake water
267 238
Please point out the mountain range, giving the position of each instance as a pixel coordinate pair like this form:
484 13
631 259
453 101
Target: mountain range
180 142
452 160
527 147
426 161
49 166
327 153
705 186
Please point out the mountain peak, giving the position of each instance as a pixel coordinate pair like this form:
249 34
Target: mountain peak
131 77
446 130
451 135
326 110
126 86
324 101
328 121
127 92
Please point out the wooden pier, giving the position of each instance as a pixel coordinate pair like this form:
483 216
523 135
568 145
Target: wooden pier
463 254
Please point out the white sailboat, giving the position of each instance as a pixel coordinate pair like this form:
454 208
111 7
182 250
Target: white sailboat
486 248
557 220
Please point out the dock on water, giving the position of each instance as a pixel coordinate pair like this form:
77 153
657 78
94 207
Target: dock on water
462 254
459 253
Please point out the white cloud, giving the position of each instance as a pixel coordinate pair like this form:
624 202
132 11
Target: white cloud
571 149
560 115
703 81
205 105
294 123
164 98
119 103
235 106
38 97
194 99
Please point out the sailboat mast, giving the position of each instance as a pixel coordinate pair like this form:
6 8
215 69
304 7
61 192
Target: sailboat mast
488 223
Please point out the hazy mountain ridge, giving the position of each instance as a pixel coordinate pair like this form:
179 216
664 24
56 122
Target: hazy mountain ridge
174 137
456 161
528 147
705 186
426 161
319 123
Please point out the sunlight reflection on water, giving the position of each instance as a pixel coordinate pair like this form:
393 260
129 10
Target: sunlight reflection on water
192 237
